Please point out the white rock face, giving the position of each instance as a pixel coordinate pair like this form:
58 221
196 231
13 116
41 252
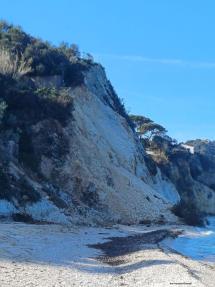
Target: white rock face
44 210
166 188
106 161
91 170
189 148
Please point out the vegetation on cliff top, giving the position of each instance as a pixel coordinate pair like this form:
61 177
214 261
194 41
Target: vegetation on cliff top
23 58
23 104
22 54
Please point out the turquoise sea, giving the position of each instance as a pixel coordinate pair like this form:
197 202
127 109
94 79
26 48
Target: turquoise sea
199 244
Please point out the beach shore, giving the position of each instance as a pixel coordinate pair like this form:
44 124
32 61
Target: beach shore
52 255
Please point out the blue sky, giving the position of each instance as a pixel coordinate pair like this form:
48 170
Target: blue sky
159 54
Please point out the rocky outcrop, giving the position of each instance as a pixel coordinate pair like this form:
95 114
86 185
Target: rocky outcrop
191 168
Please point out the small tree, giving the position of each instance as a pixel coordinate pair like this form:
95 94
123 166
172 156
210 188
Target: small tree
139 120
72 52
146 128
88 57
4 26
75 50
149 130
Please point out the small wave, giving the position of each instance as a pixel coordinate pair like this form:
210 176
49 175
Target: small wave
198 243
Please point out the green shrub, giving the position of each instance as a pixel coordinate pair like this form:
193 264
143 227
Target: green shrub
189 213
27 155
53 94
38 58
28 105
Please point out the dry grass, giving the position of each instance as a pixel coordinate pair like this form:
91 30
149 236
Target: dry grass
13 65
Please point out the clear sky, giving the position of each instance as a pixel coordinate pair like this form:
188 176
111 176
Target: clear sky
159 54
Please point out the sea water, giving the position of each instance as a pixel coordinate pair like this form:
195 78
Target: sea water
198 244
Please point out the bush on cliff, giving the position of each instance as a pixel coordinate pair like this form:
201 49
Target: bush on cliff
189 213
22 54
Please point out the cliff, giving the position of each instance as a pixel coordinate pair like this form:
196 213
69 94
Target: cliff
191 168
69 152
82 163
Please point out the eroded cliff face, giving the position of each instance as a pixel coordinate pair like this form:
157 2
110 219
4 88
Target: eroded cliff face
86 166
191 168
76 159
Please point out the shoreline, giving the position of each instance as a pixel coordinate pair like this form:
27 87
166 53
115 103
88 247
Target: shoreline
52 255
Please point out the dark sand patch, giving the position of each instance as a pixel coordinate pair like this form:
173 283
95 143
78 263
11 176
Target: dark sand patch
117 249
